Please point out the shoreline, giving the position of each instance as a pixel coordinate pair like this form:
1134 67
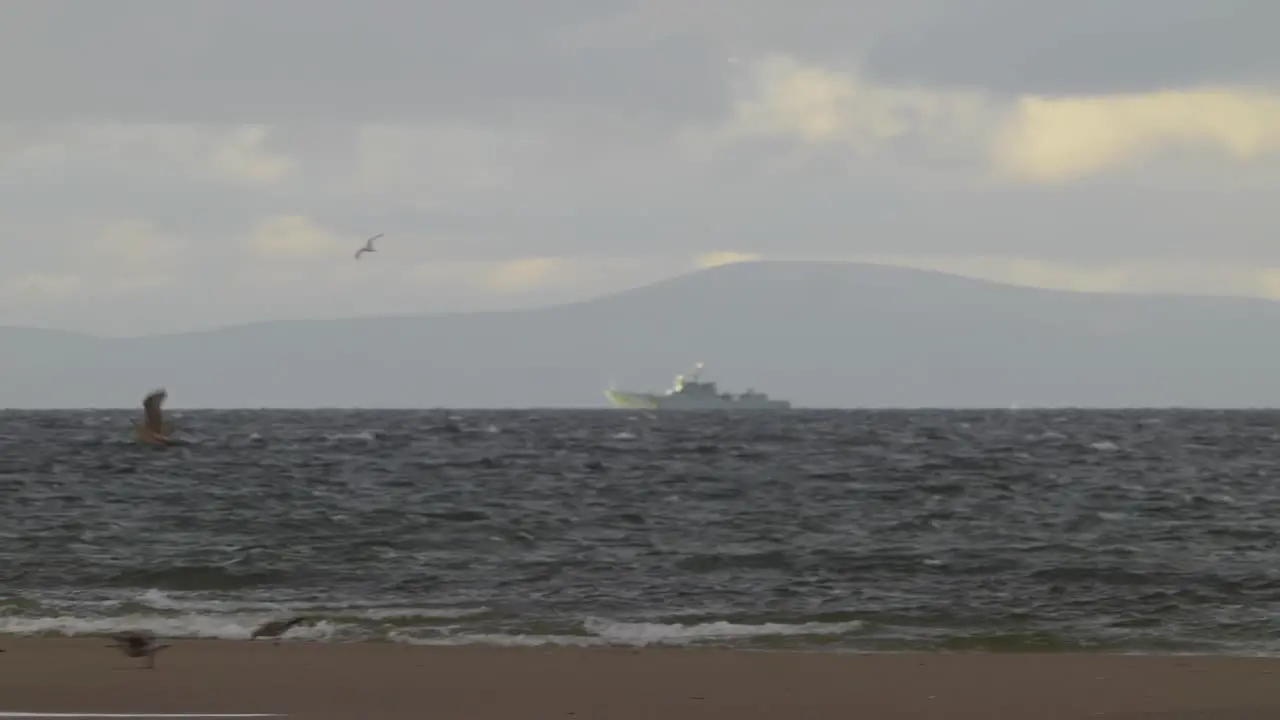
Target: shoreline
393 681
23 638
593 643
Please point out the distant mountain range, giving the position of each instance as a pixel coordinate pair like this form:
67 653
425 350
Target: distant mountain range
818 334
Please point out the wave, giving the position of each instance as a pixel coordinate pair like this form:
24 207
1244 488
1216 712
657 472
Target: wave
601 632
400 620
348 628
394 620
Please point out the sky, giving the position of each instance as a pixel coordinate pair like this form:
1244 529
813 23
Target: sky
169 166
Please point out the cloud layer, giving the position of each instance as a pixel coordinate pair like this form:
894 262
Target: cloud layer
161 182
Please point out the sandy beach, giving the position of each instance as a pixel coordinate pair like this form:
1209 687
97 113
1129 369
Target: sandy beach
394 682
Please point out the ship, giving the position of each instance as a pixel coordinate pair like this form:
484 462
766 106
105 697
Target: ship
688 392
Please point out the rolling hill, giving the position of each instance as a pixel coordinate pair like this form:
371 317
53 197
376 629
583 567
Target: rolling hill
820 334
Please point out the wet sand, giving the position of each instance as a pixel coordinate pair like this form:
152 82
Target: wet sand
400 682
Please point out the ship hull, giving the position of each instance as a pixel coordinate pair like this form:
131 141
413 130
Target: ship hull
653 401
631 401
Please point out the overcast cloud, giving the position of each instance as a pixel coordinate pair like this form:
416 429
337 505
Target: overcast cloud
172 165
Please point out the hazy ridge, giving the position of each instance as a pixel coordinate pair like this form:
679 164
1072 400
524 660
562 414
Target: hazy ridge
819 334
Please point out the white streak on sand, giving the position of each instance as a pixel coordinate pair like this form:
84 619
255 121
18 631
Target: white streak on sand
135 715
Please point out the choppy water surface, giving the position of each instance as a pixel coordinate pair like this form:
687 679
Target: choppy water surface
1002 530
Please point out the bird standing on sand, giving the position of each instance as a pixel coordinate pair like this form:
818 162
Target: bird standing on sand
136 644
368 246
276 628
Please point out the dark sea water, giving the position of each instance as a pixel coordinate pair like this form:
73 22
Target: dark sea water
999 530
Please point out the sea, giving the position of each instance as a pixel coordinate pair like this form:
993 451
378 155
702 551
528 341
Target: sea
1133 531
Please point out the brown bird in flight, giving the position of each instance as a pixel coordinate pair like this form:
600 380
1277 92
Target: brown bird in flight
153 429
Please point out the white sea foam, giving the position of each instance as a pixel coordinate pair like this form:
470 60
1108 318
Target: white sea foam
364 609
223 627
636 634
174 615
356 624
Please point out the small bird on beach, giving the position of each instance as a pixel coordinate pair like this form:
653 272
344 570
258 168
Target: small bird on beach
137 644
368 246
276 628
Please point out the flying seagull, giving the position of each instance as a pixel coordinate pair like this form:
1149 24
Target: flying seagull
138 644
368 246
